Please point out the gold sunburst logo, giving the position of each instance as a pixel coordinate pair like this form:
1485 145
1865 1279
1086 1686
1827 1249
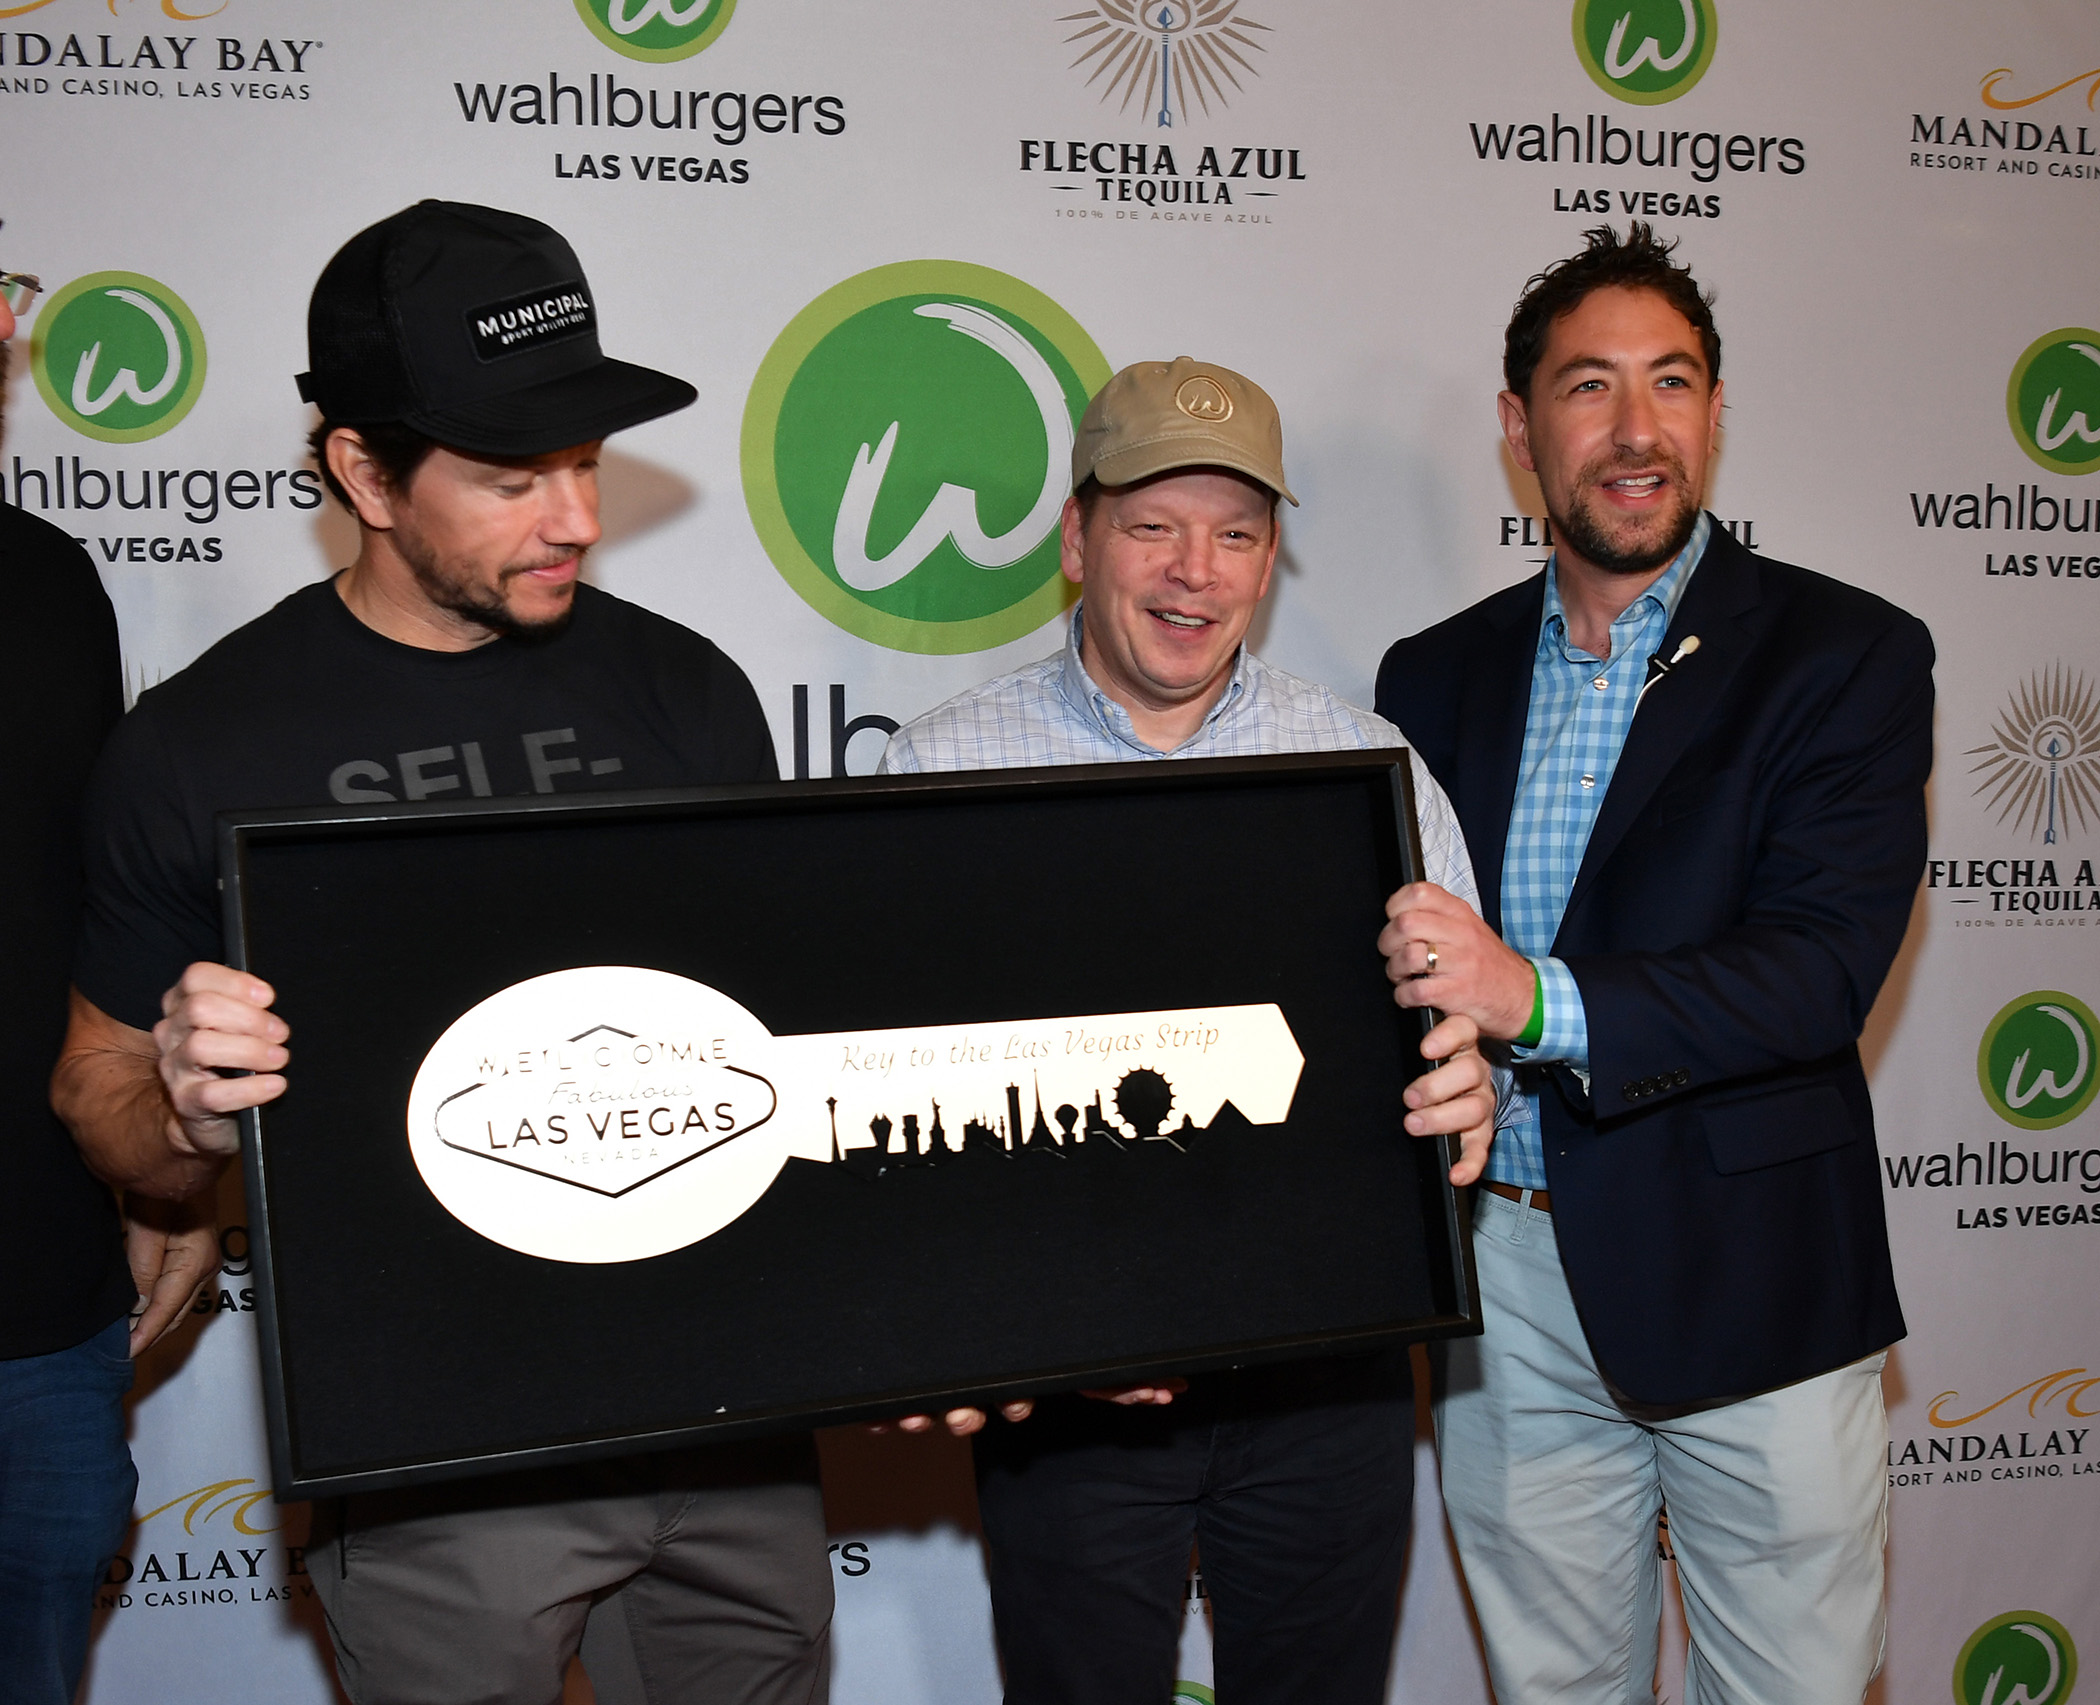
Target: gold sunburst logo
2041 768
1171 51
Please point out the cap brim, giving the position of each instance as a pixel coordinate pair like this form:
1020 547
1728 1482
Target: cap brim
576 408
1164 455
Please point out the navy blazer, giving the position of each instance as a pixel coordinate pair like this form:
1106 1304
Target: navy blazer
1716 1189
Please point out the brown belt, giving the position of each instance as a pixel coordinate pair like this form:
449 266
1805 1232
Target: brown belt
1540 1199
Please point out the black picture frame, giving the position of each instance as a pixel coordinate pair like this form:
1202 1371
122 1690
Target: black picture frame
398 1346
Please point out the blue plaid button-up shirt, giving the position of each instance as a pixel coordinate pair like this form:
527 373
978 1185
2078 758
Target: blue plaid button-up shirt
1574 731
1053 712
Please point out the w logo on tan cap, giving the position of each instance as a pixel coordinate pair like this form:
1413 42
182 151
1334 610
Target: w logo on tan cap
1155 416
1203 398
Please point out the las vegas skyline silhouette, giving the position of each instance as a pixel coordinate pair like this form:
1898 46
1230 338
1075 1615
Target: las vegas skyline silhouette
1143 1099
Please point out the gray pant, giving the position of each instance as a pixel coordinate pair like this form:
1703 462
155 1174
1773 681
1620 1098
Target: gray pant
1778 1509
477 1594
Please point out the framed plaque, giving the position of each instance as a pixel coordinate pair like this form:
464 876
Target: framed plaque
625 1121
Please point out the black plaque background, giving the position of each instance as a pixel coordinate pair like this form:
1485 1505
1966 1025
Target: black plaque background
401 1346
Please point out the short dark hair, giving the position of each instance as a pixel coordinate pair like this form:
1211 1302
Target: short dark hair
1640 262
397 451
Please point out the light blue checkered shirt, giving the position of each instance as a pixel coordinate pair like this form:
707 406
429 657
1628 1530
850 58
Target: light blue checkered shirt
1052 712
1573 733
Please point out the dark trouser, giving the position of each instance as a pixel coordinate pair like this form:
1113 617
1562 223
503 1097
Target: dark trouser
66 1483
1295 1483
477 1593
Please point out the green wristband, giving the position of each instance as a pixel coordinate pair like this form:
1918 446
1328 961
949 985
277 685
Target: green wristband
1537 1026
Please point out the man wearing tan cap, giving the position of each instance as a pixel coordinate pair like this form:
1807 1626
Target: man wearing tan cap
1295 1482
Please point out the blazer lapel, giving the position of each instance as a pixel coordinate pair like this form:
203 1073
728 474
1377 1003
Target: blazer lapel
1494 699
1723 587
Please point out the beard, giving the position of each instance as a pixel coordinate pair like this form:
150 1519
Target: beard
1643 546
451 588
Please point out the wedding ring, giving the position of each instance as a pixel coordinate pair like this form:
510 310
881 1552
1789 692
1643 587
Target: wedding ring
1429 965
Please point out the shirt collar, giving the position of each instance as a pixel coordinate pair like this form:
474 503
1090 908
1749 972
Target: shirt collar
1086 697
1664 594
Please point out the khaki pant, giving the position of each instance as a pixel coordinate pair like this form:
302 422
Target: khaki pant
477 1594
1778 1509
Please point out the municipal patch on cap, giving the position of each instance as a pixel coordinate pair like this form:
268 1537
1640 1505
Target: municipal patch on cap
532 321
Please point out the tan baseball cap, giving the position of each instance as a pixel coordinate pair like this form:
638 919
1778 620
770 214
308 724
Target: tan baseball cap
1184 413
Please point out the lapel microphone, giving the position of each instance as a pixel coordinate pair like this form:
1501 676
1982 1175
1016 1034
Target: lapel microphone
1657 668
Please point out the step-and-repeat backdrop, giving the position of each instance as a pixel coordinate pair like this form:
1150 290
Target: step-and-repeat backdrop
1896 205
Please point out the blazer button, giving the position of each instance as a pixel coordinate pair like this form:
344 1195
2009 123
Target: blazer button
1682 1077
1632 1091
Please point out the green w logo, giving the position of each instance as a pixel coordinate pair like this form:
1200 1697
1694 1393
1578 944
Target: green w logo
118 356
2037 1064
656 29
2020 1658
907 450
2053 401
952 515
1645 51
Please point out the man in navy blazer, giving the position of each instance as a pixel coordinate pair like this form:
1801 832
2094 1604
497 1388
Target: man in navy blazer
1692 780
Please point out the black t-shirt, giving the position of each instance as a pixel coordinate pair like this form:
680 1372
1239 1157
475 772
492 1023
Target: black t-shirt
308 706
62 1271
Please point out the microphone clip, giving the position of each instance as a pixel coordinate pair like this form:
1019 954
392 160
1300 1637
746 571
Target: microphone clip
1657 668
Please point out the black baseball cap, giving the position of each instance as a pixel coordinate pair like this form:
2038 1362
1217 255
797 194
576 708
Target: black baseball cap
477 328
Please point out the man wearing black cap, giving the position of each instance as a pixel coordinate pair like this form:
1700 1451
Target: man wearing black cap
463 398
